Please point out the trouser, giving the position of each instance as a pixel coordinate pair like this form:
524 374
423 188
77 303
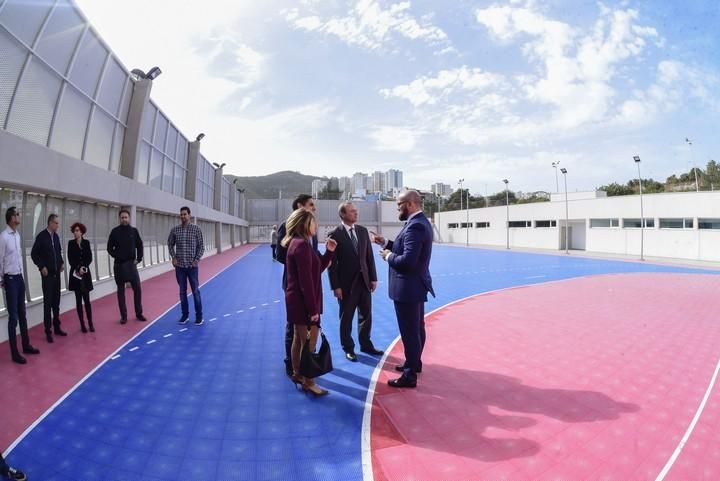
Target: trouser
185 275
411 322
272 247
137 296
15 302
51 302
358 298
83 296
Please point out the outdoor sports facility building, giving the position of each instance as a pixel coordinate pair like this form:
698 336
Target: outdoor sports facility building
538 366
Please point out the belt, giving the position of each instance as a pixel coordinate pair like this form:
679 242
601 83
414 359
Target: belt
10 276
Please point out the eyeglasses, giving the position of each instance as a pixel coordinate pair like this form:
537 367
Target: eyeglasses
402 203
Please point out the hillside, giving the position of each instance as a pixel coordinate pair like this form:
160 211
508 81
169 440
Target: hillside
268 186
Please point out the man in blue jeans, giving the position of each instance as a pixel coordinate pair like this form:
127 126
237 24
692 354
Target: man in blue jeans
11 279
185 244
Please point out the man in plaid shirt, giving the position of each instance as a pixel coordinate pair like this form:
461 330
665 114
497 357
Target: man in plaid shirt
185 243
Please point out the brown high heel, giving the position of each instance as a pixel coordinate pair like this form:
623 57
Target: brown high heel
315 390
298 380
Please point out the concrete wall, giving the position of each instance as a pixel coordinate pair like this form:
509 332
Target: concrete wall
692 244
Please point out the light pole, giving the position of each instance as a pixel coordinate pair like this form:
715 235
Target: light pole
461 191
636 158
692 160
555 166
467 219
507 214
567 216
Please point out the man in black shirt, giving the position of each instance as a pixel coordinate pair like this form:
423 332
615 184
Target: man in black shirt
126 247
47 255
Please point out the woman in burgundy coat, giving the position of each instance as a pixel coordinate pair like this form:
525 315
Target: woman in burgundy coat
303 294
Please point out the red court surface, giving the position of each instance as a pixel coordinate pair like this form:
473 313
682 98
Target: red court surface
595 378
27 391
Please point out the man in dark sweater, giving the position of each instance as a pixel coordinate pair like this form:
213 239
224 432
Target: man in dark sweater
47 255
126 247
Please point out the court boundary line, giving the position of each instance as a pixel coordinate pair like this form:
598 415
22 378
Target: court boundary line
366 447
40 418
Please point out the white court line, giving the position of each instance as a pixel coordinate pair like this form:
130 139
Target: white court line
276 301
226 315
115 357
366 448
238 311
253 307
183 329
690 428
134 348
213 319
74 388
151 341
534 277
168 335
264 304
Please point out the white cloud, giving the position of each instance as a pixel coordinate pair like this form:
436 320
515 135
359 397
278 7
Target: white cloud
430 90
394 139
368 25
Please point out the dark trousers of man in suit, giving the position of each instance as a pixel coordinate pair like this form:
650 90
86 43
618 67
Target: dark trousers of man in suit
358 298
411 322
51 302
137 296
15 297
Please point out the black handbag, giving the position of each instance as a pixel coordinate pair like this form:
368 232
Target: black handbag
315 364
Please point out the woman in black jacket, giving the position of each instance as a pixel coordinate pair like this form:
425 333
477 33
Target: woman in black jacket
80 257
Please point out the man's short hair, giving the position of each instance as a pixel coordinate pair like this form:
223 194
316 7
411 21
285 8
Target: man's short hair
51 218
342 206
10 213
413 196
124 211
185 208
301 200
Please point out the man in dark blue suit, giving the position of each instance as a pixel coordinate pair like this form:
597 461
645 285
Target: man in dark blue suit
409 281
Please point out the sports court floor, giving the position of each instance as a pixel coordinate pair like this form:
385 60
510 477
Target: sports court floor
537 367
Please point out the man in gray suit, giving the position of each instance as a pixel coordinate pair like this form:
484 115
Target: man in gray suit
353 279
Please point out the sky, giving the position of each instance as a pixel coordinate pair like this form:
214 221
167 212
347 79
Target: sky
442 90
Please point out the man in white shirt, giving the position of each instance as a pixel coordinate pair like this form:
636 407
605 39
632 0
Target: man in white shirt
11 279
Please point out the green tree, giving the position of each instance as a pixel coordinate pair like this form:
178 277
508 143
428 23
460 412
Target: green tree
499 198
535 197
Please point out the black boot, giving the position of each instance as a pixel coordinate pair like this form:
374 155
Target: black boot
82 326
90 325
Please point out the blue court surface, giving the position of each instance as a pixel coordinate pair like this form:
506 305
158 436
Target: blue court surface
213 402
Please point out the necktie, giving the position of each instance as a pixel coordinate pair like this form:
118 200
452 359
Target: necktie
52 244
353 238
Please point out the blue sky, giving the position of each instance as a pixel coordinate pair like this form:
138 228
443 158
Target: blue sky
441 90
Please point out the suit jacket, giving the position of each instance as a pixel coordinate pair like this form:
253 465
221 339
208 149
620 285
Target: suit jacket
303 294
47 252
79 256
409 276
348 264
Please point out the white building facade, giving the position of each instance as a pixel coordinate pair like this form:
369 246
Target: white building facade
682 225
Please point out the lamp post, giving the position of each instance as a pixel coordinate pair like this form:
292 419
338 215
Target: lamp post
507 214
636 158
567 216
467 219
461 196
555 166
692 161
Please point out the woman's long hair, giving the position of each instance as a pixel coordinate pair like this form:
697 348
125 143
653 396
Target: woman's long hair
298 225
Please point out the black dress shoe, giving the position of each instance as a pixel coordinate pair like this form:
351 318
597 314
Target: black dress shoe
140 317
372 351
401 368
59 332
30 350
351 356
49 337
19 359
123 321
402 382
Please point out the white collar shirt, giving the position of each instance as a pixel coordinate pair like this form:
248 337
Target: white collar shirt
10 252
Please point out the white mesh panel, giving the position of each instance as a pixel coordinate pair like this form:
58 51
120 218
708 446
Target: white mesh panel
88 64
99 143
13 56
24 18
59 39
69 128
112 87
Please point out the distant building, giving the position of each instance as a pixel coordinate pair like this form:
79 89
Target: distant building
359 182
441 190
379 181
318 185
393 180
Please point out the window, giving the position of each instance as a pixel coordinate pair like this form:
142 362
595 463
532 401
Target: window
680 223
519 223
465 225
607 223
482 225
545 223
453 225
708 223
635 223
